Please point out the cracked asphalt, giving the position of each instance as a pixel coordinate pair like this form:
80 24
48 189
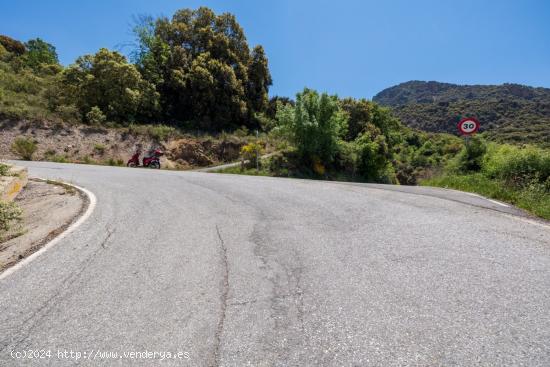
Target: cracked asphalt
256 271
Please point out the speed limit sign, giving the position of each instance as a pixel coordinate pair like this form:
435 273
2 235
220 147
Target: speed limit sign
468 126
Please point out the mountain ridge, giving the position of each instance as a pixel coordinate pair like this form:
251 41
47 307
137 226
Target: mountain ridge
508 112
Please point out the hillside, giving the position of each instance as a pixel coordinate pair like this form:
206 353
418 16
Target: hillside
78 143
508 113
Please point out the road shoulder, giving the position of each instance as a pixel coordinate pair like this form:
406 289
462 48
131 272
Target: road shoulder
48 210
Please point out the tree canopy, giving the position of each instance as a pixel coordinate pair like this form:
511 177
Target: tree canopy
107 81
203 69
314 125
40 52
12 45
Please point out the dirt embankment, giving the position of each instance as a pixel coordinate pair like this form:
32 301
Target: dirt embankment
188 153
114 146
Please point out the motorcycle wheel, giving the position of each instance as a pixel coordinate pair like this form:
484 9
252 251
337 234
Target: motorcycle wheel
154 165
131 164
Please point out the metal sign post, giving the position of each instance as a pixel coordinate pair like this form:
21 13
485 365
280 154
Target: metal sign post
257 152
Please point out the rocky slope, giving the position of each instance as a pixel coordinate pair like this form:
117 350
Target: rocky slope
87 144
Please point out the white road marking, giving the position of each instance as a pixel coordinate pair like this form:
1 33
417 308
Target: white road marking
483 197
498 203
46 247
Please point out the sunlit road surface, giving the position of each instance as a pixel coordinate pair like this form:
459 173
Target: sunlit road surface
226 270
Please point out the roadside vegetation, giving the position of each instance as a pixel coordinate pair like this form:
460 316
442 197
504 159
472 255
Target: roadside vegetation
10 216
10 213
194 85
194 70
24 147
190 78
517 175
357 140
325 137
4 169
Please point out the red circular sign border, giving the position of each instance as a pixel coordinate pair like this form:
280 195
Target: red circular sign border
459 125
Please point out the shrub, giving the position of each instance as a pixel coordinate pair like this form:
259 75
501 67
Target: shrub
470 157
9 214
95 116
348 157
241 132
517 165
99 148
87 160
68 112
12 45
518 175
115 162
39 53
59 158
536 197
251 153
373 155
4 169
313 126
161 132
281 164
266 123
158 132
24 147
406 174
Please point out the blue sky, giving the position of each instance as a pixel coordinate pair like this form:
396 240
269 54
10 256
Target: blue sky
351 48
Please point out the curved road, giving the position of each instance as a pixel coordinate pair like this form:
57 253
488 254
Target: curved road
253 271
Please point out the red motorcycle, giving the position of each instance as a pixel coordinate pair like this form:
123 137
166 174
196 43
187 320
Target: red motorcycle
152 160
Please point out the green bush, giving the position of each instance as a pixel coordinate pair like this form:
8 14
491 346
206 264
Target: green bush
251 153
87 160
4 169
162 132
107 81
157 132
313 126
114 162
241 132
373 157
24 147
279 164
9 214
518 165
95 116
99 148
59 159
68 112
534 197
518 175
470 158
40 53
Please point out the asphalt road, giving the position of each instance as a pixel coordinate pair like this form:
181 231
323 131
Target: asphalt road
253 271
